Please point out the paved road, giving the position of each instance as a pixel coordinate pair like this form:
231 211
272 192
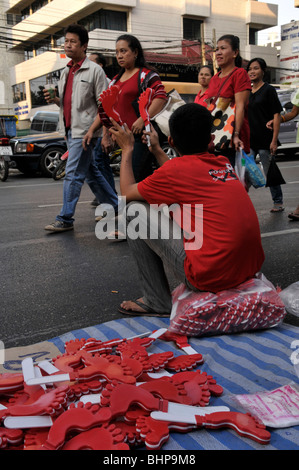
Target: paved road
54 283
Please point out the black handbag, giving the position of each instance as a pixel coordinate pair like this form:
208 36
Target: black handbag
274 176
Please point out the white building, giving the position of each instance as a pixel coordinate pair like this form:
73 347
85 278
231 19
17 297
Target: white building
289 54
173 29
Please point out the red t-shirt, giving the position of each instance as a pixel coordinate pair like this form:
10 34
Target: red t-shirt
231 250
200 98
239 81
129 91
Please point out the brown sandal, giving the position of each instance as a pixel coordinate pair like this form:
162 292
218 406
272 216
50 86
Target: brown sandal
277 208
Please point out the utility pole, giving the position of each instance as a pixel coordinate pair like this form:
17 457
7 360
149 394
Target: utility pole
203 46
214 49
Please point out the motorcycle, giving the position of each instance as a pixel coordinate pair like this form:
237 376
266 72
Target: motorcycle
5 152
59 171
114 156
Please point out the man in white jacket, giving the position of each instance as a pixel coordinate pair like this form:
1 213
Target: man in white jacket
82 81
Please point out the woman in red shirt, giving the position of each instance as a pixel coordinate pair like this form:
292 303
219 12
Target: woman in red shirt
204 77
133 73
234 85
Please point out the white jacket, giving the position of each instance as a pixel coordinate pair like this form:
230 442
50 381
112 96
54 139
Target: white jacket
89 82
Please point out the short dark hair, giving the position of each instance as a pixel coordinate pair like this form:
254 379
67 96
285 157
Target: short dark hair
78 29
260 61
190 128
100 58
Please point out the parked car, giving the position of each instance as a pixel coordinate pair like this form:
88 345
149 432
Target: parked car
39 152
288 130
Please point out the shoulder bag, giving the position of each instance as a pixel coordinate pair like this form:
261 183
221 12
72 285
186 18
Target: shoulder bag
174 101
223 112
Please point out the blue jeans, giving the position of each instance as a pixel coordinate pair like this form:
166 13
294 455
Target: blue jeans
266 157
81 166
103 162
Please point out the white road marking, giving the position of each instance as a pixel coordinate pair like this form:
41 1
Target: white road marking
279 232
58 205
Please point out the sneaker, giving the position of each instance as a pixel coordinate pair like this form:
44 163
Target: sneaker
95 203
59 226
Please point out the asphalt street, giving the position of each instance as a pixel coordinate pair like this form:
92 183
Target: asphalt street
55 283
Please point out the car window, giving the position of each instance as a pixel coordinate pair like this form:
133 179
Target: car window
50 126
37 125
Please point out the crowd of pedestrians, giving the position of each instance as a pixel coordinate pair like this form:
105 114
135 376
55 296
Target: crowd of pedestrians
195 178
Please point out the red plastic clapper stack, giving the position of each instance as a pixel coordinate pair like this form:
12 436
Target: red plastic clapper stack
255 304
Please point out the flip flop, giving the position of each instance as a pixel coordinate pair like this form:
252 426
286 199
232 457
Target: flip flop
149 312
293 216
277 209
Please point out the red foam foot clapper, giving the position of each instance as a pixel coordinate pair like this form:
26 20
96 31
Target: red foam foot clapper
115 395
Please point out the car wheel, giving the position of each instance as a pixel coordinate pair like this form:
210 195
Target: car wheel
50 159
170 151
3 169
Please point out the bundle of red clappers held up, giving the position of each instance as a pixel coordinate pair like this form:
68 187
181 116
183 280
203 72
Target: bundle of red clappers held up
114 395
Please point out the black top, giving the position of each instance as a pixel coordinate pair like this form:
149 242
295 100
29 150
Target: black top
263 104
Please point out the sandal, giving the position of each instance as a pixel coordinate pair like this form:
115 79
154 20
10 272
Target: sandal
148 311
293 216
277 208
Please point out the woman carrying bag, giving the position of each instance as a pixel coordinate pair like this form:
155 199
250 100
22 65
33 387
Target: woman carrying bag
227 99
264 105
134 71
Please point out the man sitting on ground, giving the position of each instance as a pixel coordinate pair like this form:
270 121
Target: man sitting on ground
210 205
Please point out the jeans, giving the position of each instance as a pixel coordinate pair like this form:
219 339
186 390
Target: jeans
266 157
103 162
153 253
81 166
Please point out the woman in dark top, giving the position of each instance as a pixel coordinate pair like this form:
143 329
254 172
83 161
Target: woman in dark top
264 105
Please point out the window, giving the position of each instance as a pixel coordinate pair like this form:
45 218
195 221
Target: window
106 19
38 4
9 19
19 92
253 36
192 28
25 13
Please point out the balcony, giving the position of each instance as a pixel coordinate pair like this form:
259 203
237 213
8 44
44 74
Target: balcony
56 15
200 8
261 15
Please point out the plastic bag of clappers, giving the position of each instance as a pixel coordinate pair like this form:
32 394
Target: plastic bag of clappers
254 304
255 175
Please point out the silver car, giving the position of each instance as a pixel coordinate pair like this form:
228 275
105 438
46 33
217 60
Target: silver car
288 130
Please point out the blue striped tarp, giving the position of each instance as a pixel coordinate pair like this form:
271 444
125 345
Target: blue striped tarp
243 363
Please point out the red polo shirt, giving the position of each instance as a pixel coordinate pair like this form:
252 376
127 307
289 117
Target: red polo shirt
67 97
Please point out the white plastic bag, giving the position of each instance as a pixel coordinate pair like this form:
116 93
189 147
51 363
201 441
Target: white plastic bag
290 298
278 408
254 304
240 167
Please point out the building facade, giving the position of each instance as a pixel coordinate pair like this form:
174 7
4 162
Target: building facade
177 35
289 54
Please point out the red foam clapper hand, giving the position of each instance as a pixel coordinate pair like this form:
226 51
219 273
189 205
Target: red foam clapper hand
108 100
144 102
